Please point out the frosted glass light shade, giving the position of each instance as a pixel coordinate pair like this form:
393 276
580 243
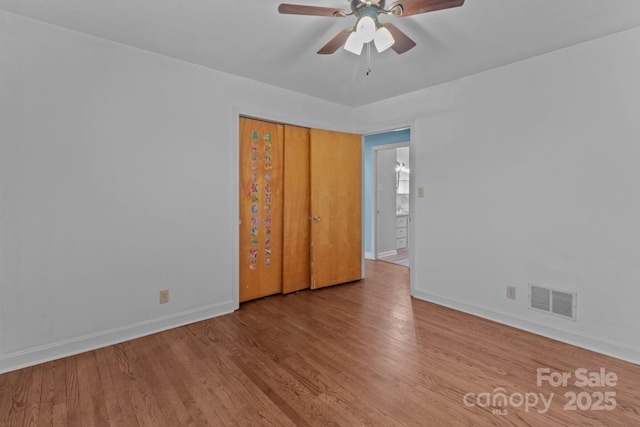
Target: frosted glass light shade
365 32
383 39
354 43
366 29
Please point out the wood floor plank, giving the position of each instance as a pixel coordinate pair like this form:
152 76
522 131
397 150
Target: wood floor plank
47 394
143 394
223 397
13 399
115 376
197 371
59 392
359 354
72 393
100 373
33 394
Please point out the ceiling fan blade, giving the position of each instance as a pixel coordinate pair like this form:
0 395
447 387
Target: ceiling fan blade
402 41
414 7
299 9
335 43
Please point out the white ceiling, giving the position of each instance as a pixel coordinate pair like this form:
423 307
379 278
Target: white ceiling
249 38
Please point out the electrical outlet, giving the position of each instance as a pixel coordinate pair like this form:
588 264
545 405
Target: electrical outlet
420 191
511 292
164 296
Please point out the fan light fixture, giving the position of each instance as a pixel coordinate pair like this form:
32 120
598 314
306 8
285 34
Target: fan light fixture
365 32
367 27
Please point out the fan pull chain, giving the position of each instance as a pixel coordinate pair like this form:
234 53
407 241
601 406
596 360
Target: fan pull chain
368 58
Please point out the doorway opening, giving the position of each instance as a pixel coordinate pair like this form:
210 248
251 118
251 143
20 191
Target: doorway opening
387 196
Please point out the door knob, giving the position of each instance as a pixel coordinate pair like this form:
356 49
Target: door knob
316 218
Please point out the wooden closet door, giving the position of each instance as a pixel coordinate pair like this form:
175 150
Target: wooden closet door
261 196
296 267
336 194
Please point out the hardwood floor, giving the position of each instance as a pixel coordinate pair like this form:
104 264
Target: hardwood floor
401 258
364 353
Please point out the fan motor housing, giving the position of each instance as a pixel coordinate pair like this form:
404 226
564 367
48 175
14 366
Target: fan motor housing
366 7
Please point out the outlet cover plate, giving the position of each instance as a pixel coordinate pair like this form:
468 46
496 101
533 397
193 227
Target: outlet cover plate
164 296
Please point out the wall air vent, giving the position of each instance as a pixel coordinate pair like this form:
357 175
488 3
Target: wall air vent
553 301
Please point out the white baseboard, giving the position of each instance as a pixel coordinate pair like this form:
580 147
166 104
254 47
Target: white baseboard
387 253
368 255
58 350
617 350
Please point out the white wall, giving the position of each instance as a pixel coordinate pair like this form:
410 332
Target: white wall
117 180
531 175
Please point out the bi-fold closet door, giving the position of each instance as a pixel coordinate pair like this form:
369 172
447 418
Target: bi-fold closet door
300 208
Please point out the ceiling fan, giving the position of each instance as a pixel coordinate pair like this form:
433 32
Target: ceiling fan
367 27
